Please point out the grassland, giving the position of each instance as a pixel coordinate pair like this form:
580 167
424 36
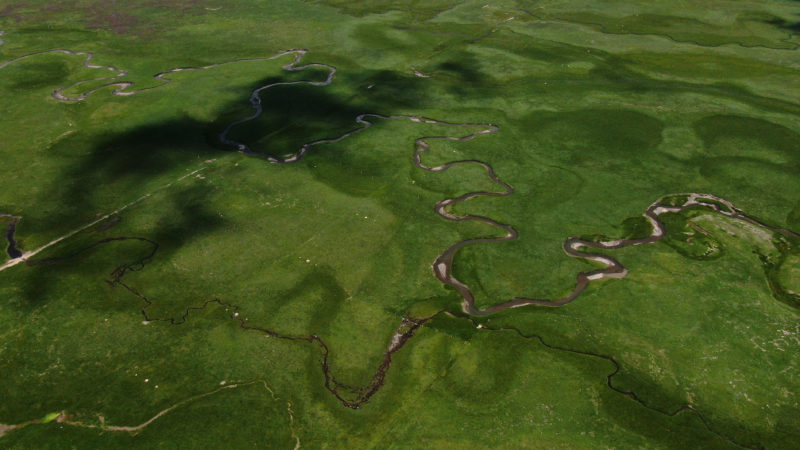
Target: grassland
224 298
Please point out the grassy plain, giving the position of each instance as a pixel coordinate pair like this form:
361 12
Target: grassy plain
603 108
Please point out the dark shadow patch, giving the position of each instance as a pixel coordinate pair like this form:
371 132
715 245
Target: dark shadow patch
99 255
794 27
106 225
118 165
461 70
639 404
418 10
297 114
713 129
633 402
39 74
793 217
598 137
615 70
772 265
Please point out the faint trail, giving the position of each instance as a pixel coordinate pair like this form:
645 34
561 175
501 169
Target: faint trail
67 419
419 74
5 428
354 397
25 256
291 426
350 396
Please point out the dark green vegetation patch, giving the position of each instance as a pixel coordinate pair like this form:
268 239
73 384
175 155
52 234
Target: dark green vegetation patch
161 288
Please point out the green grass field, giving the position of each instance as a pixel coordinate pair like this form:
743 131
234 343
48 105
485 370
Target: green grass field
185 295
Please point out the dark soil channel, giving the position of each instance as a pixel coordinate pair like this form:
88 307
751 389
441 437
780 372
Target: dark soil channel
13 251
354 397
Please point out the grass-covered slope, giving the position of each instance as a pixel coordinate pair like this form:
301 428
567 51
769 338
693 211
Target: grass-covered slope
183 294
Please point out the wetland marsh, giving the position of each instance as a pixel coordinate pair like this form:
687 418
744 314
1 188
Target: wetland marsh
308 224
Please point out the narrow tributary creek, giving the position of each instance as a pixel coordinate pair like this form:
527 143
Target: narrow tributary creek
442 266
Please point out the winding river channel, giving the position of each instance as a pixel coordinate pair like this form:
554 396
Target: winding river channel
122 88
442 266
575 246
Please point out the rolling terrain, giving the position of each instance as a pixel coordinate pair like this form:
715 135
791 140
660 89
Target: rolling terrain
400 224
